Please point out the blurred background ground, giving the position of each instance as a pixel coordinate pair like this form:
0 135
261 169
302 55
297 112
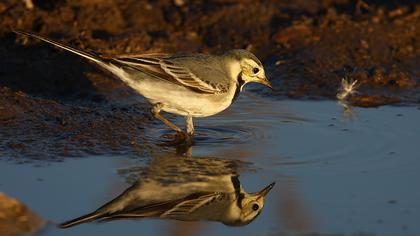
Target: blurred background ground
54 104
16 219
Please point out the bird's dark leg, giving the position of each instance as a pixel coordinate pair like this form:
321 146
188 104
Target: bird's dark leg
180 137
156 113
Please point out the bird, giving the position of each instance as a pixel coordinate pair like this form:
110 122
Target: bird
188 85
184 189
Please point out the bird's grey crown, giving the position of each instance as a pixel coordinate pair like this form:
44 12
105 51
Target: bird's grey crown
240 54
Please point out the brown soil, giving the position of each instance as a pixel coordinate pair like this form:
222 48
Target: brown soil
55 104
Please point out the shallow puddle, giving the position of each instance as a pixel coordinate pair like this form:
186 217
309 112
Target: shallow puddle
336 172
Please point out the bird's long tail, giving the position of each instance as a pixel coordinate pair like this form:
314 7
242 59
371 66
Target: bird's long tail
83 219
102 62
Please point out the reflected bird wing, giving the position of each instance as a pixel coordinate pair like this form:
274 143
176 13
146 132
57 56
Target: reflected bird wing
187 207
172 209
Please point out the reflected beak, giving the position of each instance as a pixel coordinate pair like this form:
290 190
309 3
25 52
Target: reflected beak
265 190
264 81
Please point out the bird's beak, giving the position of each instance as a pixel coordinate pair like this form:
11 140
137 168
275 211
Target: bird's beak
264 81
265 190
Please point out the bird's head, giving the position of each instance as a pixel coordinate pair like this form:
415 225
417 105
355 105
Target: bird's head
246 67
251 205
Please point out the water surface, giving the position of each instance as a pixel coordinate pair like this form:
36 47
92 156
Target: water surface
336 172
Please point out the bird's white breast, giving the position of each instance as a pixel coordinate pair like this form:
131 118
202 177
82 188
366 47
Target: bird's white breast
180 100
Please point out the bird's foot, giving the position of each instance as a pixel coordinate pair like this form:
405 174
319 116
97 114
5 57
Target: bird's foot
178 139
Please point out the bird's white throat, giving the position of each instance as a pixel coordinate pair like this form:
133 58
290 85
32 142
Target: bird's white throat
234 68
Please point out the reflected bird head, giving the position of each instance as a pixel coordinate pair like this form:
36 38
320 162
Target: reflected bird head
251 205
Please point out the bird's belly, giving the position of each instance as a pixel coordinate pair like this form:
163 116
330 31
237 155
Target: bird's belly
182 101
196 106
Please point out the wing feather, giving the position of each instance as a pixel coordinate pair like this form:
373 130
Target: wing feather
160 67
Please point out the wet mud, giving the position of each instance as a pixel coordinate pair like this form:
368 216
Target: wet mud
54 105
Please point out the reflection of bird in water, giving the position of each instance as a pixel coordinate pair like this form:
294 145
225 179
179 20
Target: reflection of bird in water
348 112
186 189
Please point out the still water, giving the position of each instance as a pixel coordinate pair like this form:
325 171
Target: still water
337 172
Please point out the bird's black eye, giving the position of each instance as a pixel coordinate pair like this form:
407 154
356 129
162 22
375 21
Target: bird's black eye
255 70
255 207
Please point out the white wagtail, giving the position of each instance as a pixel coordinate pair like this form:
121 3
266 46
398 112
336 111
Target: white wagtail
186 189
195 85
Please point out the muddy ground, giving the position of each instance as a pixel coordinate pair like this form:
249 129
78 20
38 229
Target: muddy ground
53 104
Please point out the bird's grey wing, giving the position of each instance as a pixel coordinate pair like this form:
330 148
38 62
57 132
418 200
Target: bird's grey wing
144 54
161 66
209 68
